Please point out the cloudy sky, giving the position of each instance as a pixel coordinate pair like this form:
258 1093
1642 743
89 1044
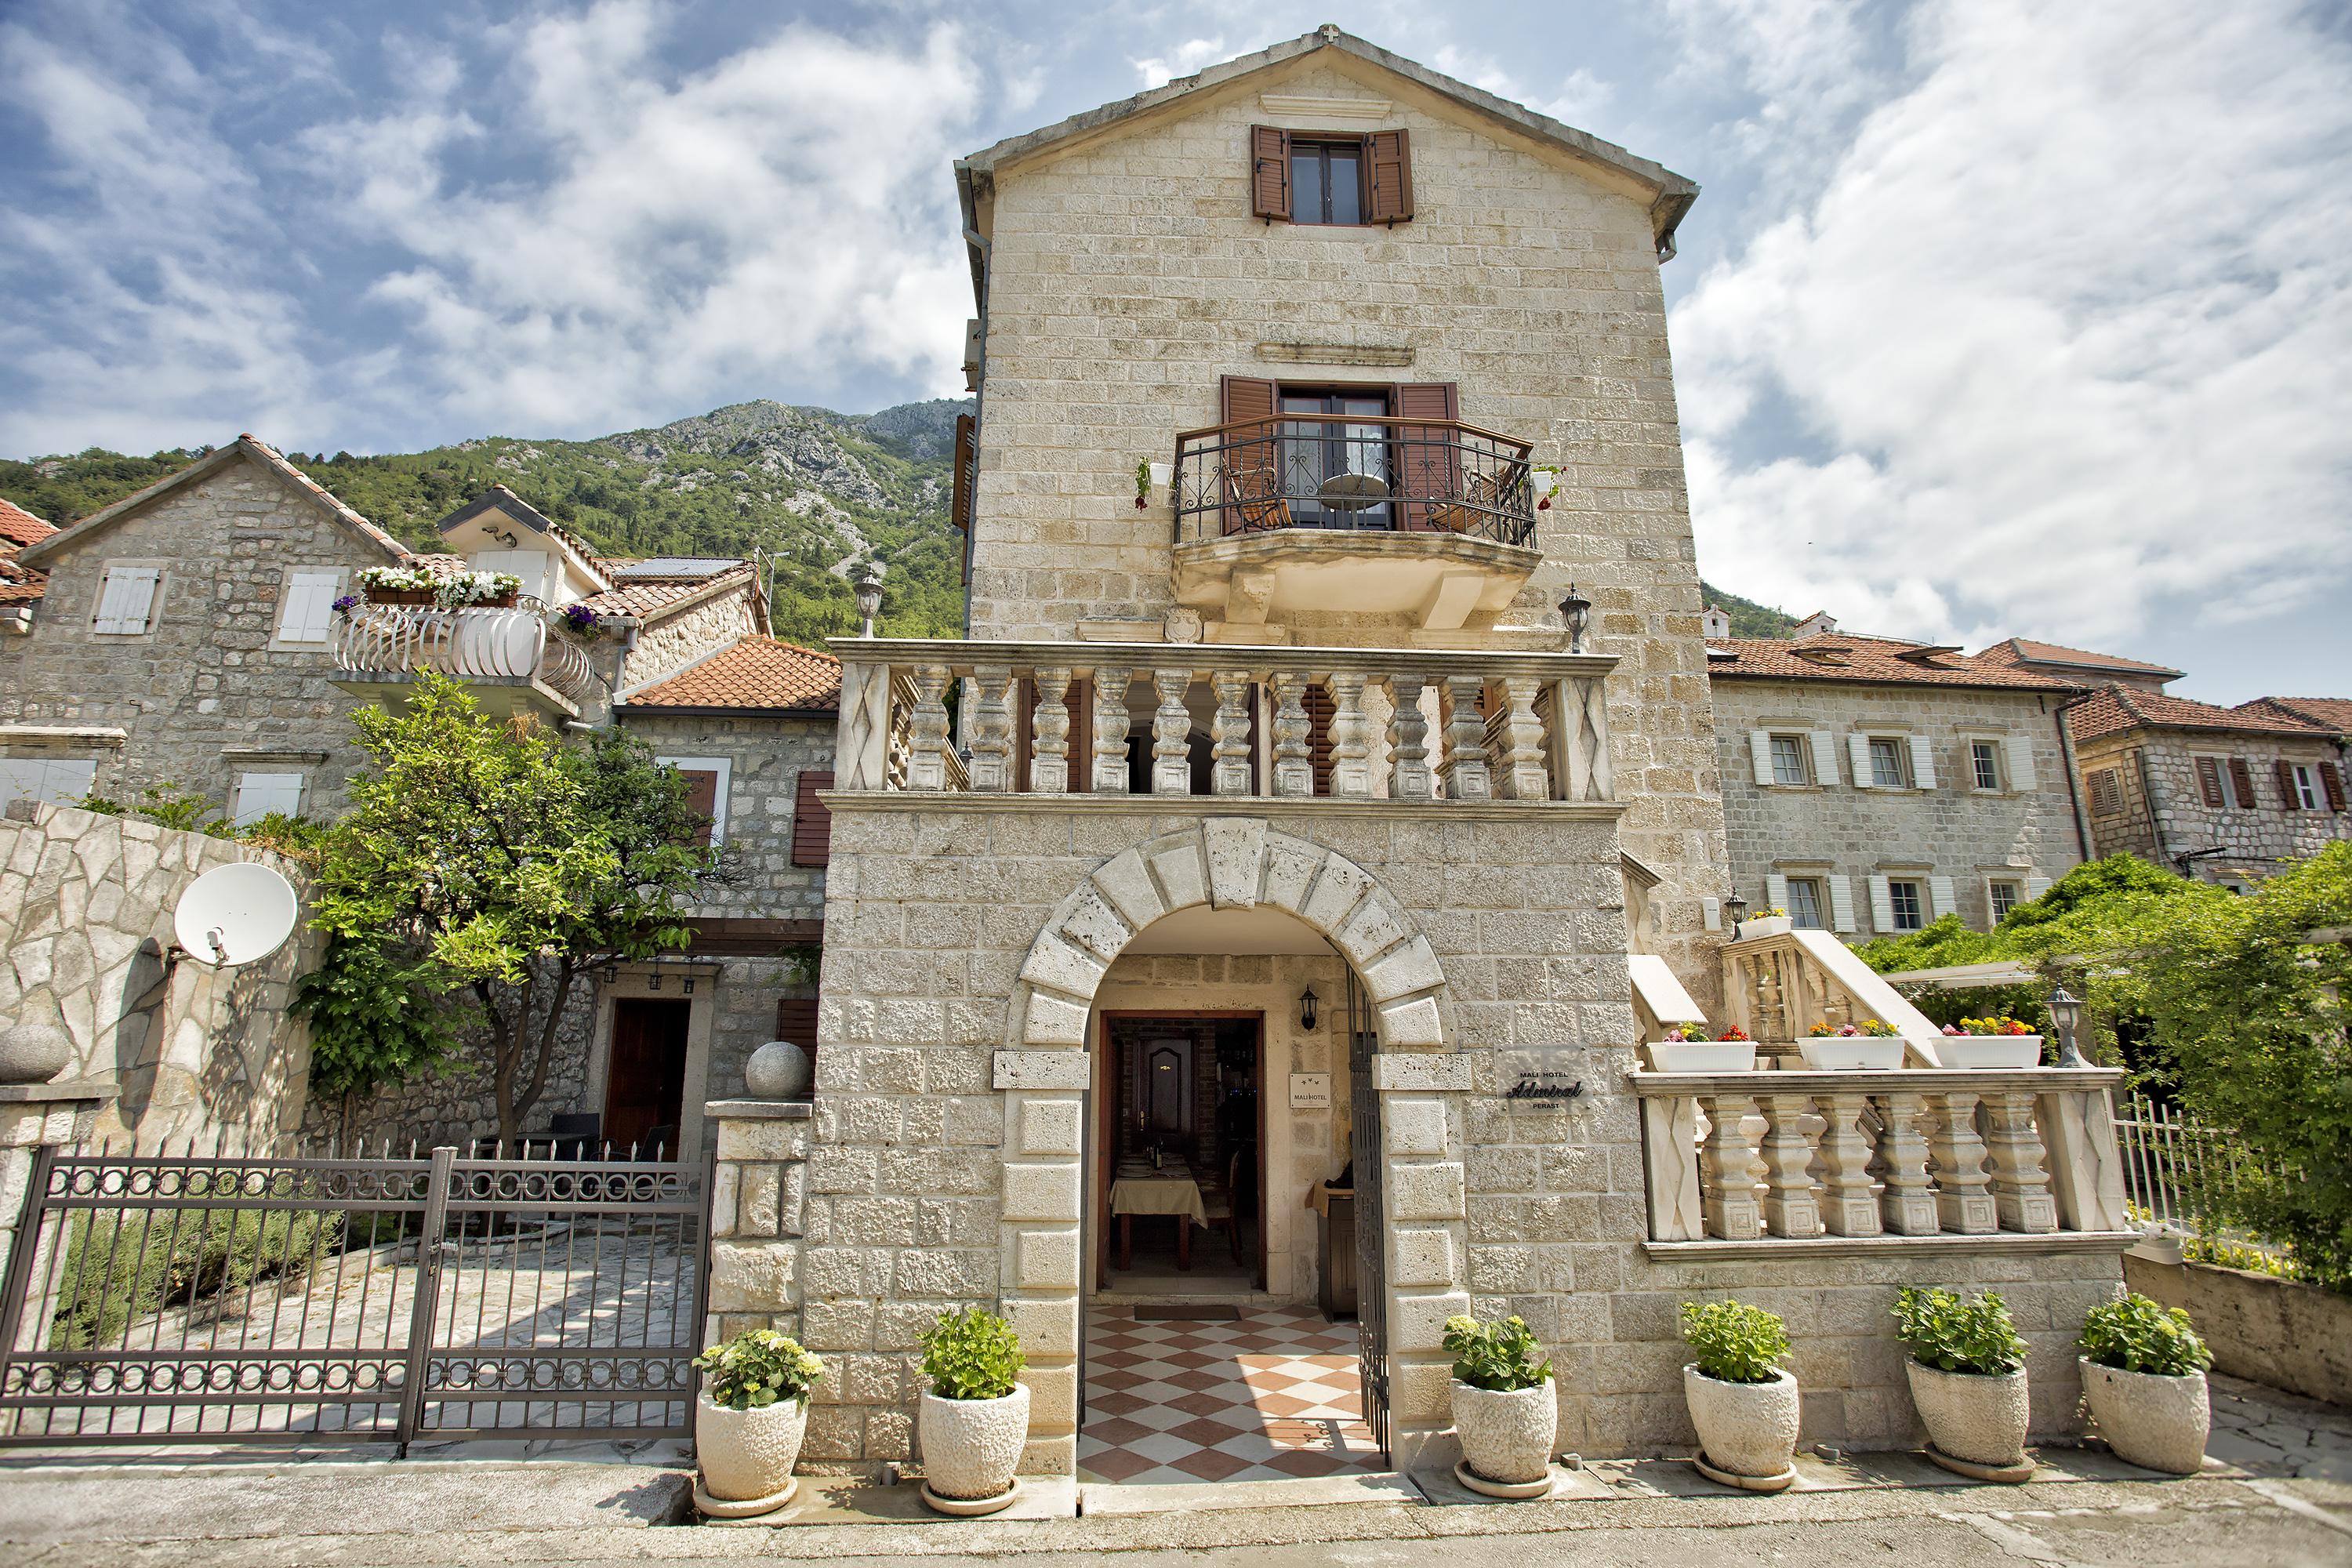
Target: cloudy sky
1993 318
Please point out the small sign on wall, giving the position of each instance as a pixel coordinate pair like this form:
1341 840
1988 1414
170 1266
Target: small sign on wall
1310 1091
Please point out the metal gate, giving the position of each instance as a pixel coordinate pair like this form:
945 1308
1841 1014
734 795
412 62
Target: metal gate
154 1299
1364 1148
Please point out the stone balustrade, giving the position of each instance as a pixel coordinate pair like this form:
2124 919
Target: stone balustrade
1776 988
1229 722
1796 1156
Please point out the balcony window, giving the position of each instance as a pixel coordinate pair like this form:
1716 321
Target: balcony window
2006 896
1910 909
1336 471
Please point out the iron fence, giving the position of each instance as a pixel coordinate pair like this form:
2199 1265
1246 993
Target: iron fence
1354 472
2177 1171
205 1298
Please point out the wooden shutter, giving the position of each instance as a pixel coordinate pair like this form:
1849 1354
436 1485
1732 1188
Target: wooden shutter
126 603
2290 797
1252 482
1776 890
1881 905
796 1021
1857 751
2242 777
1841 902
1760 751
1923 763
967 464
1429 468
2209 782
701 798
2331 779
1269 173
812 822
308 608
1943 898
1388 155
1080 701
1824 747
1318 703
2106 795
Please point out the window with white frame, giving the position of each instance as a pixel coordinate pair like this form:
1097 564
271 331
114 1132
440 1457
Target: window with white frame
306 607
1887 764
1805 903
260 793
2306 793
126 600
1906 904
1789 760
1984 764
55 781
2006 896
706 791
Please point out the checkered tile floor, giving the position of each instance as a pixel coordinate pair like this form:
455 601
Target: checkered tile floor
1272 1398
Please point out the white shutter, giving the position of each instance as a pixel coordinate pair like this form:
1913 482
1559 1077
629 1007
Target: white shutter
307 607
1882 906
1841 903
1941 898
2035 886
1857 751
1923 763
2019 752
1760 751
258 794
124 603
1824 757
1776 891
59 781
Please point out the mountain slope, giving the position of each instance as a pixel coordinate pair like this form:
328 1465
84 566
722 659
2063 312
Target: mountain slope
1749 618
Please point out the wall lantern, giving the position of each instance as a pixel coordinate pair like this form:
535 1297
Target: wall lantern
653 982
867 586
1306 1015
688 986
612 972
1735 908
2066 1011
1575 610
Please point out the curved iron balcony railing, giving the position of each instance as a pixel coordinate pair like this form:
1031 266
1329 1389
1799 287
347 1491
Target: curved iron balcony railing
1356 472
475 642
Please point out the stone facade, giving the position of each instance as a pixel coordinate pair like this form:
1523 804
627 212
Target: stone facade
764 758
85 907
697 627
2144 793
1953 838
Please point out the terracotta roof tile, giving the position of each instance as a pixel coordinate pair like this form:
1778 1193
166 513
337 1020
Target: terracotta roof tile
1848 655
757 673
20 527
642 599
2114 709
2015 651
19 583
2329 712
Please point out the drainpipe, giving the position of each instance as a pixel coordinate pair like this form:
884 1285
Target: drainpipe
2155 807
2073 783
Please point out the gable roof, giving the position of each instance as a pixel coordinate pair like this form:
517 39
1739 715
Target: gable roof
2327 712
247 446
20 527
665 596
2015 651
19 583
1852 657
2112 710
507 504
1672 193
753 675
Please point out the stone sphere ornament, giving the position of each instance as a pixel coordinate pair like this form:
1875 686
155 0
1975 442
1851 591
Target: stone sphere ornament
33 1053
777 1070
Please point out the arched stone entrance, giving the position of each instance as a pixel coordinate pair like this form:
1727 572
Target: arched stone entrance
1238 863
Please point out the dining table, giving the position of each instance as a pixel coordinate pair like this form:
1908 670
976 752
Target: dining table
1139 1187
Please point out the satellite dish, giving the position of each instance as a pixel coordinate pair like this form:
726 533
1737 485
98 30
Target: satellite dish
235 914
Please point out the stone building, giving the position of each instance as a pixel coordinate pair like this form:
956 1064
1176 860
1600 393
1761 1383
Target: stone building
1335 699
2225 795
2075 666
1872 786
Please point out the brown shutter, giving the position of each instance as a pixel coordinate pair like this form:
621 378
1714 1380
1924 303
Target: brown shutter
2209 782
1388 155
1251 481
701 798
1318 703
812 822
797 1022
2289 796
1429 468
2241 775
966 464
1269 173
2331 778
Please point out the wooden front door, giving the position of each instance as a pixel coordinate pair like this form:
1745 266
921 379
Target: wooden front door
645 1084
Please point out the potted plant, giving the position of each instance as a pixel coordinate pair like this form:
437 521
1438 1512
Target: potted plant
1989 1043
1967 1369
1687 1048
1846 1048
397 584
1772 921
748 1421
975 1418
1743 1401
2144 1378
1504 1411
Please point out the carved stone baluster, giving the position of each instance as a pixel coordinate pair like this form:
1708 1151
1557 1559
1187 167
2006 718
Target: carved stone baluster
1729 1169
1467 774
1171 730
2021 1189
1294 771
1410 777
1351 738
1229 731
1848 1208
1110 774
1521 773
1908 1205
1789 1206
927 761
1771 1007
1963 1204
992 729
1049 733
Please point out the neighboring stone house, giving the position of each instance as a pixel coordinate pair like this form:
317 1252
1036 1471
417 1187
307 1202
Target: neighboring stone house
2075 666
2225 795
20 585
1873 785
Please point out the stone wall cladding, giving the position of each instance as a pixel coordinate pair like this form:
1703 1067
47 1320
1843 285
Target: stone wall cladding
1833 828
1127 275
675 641
766 757
86 921
2254 843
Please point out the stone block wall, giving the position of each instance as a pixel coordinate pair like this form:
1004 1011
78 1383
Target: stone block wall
2163 812
677 638
765 758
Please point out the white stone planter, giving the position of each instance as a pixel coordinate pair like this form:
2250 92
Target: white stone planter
1766 925
971 1447
1989 1050
1851 1053
2155 1421
1508 1437
1746 1428
1971 1417
747 1456
1702 1056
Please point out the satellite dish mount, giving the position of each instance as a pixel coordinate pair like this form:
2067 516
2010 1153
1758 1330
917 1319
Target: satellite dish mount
235 915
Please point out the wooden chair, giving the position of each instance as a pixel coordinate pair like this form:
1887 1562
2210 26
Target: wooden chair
1253 513
1217 1208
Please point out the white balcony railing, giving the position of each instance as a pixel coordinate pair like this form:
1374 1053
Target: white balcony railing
516 643
1345 723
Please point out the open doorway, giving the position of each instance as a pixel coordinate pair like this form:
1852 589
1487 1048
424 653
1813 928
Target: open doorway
644 1085
1181 1152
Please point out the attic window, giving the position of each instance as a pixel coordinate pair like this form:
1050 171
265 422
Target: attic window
1330 177
1926 658
1831 658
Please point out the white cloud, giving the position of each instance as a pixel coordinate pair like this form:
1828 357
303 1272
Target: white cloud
2069 323
1186 58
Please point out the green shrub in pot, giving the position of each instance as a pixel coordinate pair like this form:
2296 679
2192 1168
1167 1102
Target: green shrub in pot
2143 1379
2133 1333
1505 1413
1943 1330
973 1420
748 1421
972 1354
1734 1342
1499 1357
1967 1372
1743 1403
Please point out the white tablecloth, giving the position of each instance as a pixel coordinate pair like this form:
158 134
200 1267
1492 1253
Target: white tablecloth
1158 1195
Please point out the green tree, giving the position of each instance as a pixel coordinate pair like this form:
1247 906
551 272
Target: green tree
492 861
